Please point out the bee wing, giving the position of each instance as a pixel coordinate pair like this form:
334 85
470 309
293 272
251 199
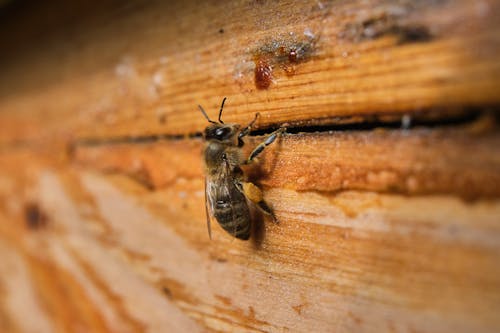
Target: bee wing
219 188
208 207
228 184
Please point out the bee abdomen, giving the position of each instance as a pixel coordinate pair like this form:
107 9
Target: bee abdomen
234 217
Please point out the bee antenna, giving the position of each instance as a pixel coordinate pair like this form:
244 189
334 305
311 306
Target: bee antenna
220 111
205 114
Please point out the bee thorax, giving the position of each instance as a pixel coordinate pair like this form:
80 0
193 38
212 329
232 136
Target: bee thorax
216 154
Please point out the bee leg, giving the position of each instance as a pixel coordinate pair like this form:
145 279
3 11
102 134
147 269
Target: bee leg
246 130
254 194
270 139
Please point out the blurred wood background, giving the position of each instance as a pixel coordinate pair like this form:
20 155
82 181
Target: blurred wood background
386 185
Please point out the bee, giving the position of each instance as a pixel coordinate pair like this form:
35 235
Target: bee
227 193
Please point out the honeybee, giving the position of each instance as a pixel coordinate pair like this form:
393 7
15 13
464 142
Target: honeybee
227 192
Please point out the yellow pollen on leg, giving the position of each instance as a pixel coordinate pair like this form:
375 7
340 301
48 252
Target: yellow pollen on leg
252 192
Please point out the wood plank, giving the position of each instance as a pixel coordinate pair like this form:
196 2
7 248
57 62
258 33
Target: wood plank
458 161
331 62
340 260
382 226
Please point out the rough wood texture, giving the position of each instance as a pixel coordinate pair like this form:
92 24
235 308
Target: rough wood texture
101 251
381 227
133 70
422 161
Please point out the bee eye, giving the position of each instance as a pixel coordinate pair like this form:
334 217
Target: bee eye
217 133
222 132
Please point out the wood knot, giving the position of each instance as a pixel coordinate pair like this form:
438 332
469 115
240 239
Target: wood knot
34 217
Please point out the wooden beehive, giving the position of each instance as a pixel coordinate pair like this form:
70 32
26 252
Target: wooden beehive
386 184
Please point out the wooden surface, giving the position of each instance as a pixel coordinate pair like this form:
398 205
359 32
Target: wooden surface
386 186
134 70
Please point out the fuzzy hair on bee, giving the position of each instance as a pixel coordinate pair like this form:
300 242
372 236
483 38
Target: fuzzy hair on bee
227 192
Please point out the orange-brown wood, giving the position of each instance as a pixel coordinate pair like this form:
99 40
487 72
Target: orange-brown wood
386 186
129 71
336 260
421 161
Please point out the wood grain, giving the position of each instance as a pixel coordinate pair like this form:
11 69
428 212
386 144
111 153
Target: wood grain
386 186
421 161
331 62
349 260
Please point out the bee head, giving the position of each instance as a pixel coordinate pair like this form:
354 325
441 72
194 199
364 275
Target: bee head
218 130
